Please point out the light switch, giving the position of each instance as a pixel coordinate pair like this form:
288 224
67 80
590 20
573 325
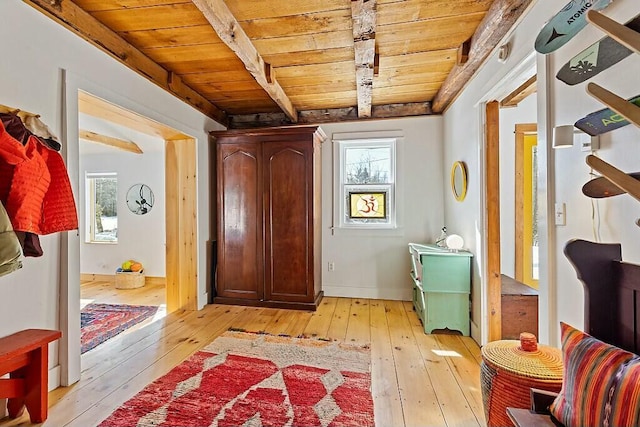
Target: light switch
560 214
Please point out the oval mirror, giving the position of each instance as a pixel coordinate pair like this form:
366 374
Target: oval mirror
459 180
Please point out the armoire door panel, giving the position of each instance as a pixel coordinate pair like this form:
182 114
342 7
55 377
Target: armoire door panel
240 272
288 207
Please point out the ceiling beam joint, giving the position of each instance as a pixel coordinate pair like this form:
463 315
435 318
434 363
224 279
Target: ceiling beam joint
75 19
231 33
500 19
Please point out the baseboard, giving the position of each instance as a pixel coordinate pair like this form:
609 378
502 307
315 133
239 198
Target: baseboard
54 377
98 277
148 280
475 332
203 300
370 293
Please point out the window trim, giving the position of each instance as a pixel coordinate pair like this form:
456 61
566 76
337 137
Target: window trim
389 187
91 209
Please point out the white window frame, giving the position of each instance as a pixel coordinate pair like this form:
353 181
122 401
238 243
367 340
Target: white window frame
90 206
343 188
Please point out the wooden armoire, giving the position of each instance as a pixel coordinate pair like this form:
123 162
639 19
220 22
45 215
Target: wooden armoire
268 214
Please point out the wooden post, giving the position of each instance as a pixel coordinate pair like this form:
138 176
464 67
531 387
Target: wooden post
492 165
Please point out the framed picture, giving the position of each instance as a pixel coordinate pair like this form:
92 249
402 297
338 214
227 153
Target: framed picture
367 204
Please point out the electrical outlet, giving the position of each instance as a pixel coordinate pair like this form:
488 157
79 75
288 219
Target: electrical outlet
332 266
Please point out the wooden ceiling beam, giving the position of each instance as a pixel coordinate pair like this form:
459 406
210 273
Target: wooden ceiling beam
520 93
499 20
121 144
330 115
363 13
95 107
72 17
232 34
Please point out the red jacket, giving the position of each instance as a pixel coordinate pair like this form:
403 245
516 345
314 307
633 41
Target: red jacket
34 187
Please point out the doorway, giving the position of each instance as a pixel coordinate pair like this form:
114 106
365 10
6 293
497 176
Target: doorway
122 230
182 282
180 197
526 239
510 177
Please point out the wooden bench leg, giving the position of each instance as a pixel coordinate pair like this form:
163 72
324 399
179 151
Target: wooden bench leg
35 376
15 405
37 381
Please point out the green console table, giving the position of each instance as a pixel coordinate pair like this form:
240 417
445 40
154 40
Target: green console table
441 287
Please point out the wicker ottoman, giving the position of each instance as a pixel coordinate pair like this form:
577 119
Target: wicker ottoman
510 368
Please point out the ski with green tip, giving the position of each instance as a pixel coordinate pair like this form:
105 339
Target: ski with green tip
605 120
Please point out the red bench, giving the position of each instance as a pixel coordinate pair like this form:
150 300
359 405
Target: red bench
24 356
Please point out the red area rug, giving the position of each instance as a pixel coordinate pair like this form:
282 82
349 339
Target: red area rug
245 379
99 322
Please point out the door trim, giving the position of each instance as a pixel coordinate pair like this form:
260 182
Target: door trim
521 129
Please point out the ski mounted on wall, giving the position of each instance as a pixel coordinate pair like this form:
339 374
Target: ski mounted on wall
566 23
596 58
601 187
625 182
618 115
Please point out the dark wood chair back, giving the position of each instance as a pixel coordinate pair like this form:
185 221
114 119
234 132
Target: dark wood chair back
612 292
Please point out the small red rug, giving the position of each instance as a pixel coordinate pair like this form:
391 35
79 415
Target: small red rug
99 322
247 379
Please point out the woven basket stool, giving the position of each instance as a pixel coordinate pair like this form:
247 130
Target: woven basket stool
129 279
510 368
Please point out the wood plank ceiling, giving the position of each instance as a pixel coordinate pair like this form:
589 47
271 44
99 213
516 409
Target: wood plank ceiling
248 63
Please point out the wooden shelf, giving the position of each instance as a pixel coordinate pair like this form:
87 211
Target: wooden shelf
620 33
616 176
626 109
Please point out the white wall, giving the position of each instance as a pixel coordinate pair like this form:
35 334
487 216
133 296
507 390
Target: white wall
140 237
561 295
620 148
375 264
32 80
525 112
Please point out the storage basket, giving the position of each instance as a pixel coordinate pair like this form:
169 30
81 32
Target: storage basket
129 279
510 368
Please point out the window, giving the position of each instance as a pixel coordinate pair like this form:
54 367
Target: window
102 207
367 183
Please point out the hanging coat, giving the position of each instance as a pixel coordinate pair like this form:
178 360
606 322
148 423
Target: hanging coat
9 245
35 187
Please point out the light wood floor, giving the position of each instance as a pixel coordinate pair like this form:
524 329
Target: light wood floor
417 379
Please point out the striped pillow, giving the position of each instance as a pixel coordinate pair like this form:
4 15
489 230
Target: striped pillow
600 385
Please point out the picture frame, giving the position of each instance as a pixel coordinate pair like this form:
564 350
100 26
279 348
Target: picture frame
367 204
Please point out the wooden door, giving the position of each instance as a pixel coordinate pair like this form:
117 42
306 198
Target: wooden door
288 200
240 262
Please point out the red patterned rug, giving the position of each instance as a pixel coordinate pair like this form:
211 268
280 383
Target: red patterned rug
246 379
99 322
